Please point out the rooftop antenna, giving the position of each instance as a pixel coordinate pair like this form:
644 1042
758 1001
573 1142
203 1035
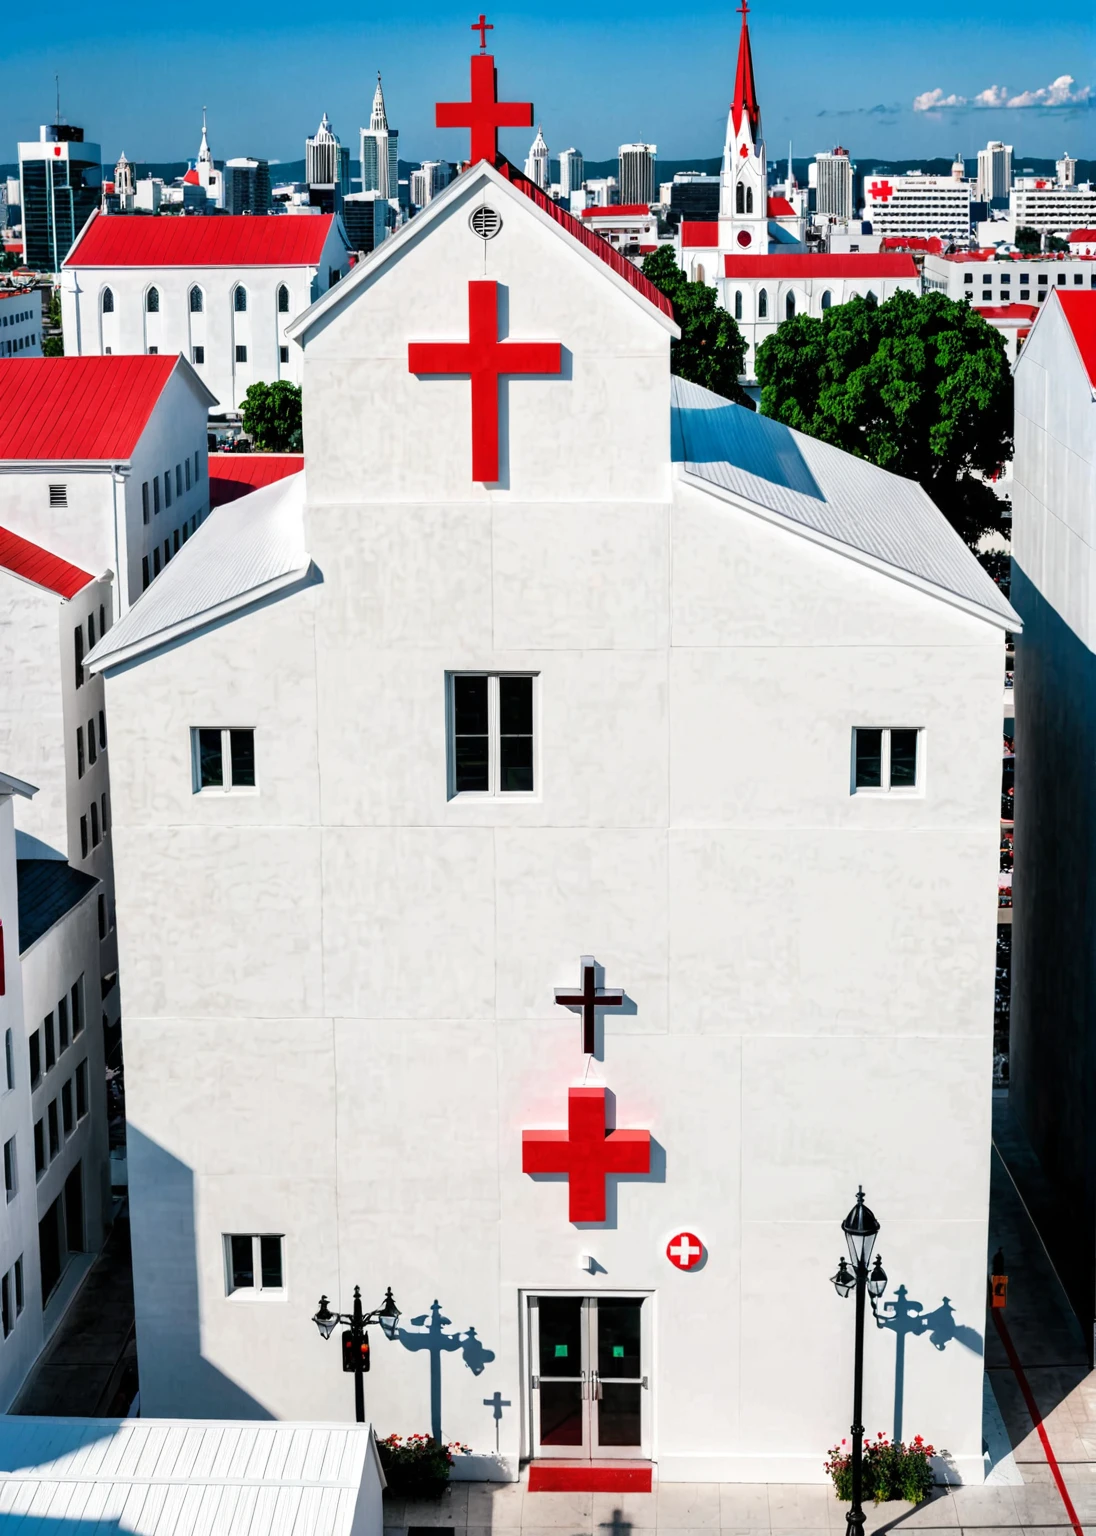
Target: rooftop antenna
57 83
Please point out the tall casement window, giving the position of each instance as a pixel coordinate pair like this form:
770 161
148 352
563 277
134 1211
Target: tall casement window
223 758
197 301
492 747
108 301
283 299
239 300
789 307
738 304
762 305
152 301
886 759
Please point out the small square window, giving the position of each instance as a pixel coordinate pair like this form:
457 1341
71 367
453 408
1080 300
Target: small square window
241 354
253 1263
491 734
886 758
283 354
223 758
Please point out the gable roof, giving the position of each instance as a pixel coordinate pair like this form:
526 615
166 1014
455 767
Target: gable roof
48 889
699 232
245 550
33 563
618 211
1080 313
779 208
854 264
841 501
232 475
510 182
81 408
211 240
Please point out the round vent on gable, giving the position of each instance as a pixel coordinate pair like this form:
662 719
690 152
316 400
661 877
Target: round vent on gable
486 223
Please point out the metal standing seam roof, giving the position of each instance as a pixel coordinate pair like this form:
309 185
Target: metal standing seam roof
214 240
78 407
242 550
820 488
48 889
157 1477
39 565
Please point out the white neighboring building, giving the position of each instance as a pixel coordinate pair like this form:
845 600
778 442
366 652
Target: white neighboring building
20 322
984 277
220 291
641 553
994 171
631 228
1053 575
1036 202
1082 242
916 204
832 182
103 460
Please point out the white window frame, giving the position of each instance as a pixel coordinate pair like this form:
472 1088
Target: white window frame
256 1292
885 787
226 787
493 791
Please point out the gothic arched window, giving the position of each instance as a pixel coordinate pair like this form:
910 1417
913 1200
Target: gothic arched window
740 198
700 276
789 306
871 297
152 301
108 301
197 300
283 299
738 304
749 199
827 299
239 300
763 305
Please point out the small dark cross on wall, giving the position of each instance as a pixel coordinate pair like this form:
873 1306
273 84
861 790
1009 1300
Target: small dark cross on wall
497 1404
591 998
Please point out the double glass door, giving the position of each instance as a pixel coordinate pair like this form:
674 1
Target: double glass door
589 1376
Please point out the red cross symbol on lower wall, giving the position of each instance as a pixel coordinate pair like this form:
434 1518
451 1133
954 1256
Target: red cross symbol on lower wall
881 190
484 359
586 1152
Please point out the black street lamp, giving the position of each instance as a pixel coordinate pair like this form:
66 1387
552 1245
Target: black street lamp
355 1339
861 1229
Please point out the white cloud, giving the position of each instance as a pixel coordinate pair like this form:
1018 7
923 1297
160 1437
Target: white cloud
932 101
992 96
1059 93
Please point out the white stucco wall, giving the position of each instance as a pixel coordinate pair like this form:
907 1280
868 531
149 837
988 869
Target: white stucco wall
811 971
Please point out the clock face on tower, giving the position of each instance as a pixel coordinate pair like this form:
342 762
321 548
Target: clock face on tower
744 237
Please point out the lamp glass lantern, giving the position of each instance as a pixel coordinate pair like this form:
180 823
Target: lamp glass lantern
844 1280
861 1229
326 1320
389 1315
877 1280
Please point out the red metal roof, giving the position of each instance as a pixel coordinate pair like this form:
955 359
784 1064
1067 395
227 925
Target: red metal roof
744 100
779 208
593 242
931 244
1007 311
618 211
78 407
216 240
36 564
232 475
695 233
1082 234
1080 313
853 265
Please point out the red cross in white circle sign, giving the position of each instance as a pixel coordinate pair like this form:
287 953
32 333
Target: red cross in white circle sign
882 190
685 1251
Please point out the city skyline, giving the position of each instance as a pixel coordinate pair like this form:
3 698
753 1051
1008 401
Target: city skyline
888 87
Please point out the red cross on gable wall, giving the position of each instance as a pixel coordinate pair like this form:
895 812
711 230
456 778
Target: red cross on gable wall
586 1152
484 359
882 190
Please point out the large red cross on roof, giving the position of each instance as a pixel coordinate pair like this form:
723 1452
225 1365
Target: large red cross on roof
586 1152
590 999
484 359
484 114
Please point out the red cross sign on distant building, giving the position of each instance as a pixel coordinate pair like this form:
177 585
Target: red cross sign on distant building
881 190
586 1152
483 26
484 359
590 999
485 114
685 1251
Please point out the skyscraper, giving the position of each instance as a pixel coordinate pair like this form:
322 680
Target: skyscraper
1066 168
994 171
637 173
536 161
571 169
321 156
247 185
60 181
833 186
380 150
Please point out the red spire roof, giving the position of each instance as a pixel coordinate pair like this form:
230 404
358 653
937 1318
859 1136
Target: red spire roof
1080 312
744 100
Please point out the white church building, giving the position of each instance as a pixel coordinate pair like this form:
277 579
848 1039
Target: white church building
580 869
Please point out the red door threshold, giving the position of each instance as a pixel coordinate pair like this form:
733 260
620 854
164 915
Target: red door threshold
588 1477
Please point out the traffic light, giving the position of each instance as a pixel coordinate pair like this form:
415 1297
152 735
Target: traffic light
355 1356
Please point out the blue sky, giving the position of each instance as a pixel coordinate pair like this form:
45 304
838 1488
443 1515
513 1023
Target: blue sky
136 76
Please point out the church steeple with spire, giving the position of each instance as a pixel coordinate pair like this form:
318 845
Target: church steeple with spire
743 191
378 118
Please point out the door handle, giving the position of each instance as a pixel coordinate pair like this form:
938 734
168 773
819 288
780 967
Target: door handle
536 1383
595 1386
645 1387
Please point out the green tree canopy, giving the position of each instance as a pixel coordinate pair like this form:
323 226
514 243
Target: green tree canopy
1028 240
919 385
272 416
712 350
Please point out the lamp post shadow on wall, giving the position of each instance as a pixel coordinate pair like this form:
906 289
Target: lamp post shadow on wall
355 1342
861 1229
